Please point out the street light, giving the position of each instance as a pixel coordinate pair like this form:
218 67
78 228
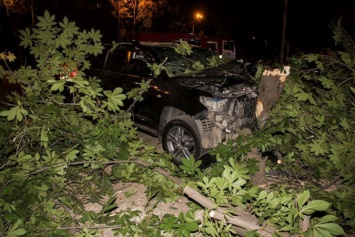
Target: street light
198 16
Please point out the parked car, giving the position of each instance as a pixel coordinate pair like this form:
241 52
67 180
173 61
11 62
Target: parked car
190 111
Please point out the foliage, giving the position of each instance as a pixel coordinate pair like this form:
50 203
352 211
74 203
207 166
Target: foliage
6 57
312 126
228 185
60 133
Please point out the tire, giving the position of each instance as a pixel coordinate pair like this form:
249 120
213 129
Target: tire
180 137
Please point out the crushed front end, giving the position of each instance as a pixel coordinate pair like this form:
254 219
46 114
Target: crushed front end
228 112
230 95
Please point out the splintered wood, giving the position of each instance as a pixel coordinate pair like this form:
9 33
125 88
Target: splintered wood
270 89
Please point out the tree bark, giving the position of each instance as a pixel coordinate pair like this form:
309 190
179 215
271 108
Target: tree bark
259 178
270 90
242 222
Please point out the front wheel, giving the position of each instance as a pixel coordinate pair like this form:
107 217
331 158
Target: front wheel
181 138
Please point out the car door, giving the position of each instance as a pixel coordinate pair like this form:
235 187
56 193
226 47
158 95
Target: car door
113 73
146 111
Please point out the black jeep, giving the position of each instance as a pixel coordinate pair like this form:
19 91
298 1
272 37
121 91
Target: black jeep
189 110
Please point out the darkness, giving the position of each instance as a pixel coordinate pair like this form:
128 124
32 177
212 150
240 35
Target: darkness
255 25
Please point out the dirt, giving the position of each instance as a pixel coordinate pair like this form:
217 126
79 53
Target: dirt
131 196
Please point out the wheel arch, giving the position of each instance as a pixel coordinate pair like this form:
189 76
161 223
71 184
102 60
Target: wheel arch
178 142
167 114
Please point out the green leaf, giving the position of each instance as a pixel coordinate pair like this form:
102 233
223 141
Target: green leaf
62 41
14 231
317 147
15 112
239 183
344 123
316 205
262 195
192 226
328 84
269 197
345 56
58 85
69 28
332 228
45 22
251 233
312 57
11 114
190 165
274 202
109 205
327 218
117 91
95 35
319 232
71 156
19 116
169 222
114 99
44 137
302 96
25 36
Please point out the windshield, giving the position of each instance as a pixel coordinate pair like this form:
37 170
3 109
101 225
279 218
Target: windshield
177 63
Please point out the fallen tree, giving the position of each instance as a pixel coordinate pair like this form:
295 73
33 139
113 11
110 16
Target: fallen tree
56 154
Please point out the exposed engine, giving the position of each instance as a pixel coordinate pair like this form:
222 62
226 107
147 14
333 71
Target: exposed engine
226 116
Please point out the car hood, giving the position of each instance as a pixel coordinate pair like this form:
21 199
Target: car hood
229 79
222 75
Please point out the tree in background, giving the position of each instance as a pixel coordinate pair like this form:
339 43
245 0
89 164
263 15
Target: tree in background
137 10
15 9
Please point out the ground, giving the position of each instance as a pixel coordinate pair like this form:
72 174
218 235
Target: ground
131 196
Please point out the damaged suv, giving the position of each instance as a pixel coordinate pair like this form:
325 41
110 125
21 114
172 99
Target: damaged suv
190 111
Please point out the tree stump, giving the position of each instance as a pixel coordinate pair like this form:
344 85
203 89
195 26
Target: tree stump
270 90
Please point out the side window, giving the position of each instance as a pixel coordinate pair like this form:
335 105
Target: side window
228 45
138 65
98 61
140 55
213 46
117 60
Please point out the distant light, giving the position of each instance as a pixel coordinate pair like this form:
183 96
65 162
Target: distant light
198 15
253 37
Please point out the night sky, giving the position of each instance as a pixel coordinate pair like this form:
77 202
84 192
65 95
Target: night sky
257 25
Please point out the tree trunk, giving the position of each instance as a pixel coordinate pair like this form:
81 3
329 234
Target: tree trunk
270 89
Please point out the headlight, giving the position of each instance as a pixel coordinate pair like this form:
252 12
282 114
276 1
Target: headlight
214 104
253 95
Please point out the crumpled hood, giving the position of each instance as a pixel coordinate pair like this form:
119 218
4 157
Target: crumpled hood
222 75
